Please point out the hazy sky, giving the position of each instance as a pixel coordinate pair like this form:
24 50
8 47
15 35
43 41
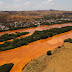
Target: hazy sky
21 5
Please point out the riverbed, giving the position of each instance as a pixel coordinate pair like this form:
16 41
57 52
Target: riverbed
22 55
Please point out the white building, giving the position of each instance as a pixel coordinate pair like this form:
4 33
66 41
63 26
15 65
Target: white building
3 27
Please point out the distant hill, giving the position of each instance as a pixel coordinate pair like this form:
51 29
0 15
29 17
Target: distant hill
20 16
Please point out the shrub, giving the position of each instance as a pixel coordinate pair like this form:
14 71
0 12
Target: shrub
59 47
6 67
6 44
68 40
11 36
49 53
23 33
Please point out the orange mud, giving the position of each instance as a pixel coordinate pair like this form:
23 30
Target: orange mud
40 28
31 30
22 55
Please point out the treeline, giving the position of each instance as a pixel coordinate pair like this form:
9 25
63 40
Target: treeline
45 23
37 35
16 28
6 67
11 36
68 40
3 30
62 21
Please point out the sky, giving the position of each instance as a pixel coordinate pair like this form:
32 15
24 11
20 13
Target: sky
27 5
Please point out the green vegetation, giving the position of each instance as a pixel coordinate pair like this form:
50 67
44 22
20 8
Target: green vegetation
59 47
6 67
68 40
16 28
45 23
37 35
11 36
49 53
3 30
61 21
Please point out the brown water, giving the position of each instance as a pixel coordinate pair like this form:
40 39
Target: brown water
22 55
31 30
40 28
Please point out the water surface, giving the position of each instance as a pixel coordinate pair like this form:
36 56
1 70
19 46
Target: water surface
22 55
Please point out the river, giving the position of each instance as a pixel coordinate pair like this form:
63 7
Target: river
40 28
22 55
31 30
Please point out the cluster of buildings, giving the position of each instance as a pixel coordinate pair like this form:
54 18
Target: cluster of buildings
2 27
36 22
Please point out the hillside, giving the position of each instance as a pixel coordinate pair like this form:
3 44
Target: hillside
59 61
22 16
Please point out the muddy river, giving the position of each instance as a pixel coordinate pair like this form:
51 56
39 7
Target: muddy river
22 55
31 30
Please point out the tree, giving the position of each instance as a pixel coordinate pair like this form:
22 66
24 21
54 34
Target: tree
49 53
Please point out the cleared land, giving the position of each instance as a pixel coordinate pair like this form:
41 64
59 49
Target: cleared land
59 61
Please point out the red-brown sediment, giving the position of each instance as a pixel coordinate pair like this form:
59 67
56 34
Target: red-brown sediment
22 55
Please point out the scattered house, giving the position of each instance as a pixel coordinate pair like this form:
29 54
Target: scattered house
2 27
36 22
15 24
11 24
6 28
